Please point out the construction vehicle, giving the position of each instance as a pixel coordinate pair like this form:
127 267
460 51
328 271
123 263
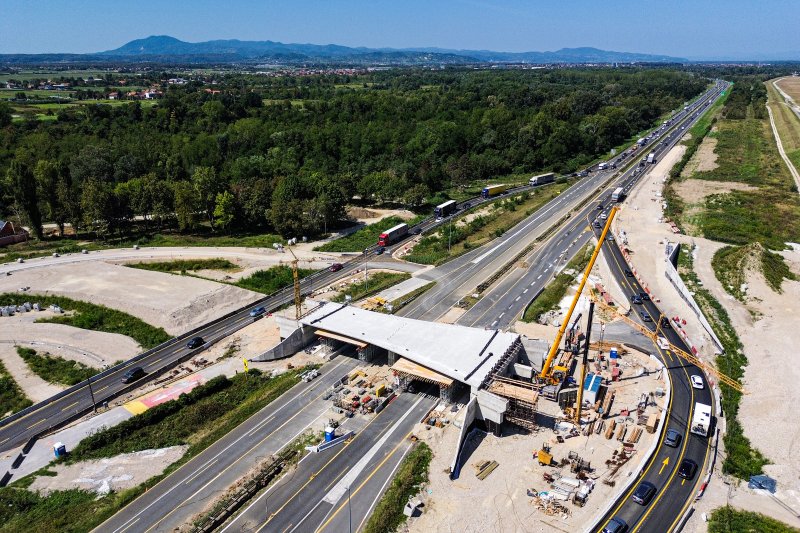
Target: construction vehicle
296 279
548 375
544 456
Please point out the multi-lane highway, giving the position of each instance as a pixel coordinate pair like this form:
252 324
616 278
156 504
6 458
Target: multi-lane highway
674 493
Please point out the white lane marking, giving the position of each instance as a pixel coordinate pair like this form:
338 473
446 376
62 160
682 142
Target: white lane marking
501 314
494 323
540 277
518 297
526 290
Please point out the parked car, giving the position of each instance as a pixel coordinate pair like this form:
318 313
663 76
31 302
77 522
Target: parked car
646 317
257 311
644 493
336 267
133 374
673 438
697 382
616 525
196 342
687 469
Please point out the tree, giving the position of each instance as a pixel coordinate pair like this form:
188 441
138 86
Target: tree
5 114
204 180
185 204
224 209
416 195
23 189
48 180
97 206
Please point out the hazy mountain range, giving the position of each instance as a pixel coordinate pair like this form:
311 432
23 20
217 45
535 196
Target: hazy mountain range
166 49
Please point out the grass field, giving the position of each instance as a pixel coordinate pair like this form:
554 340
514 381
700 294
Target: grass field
443 245
730 520
186 265
786 121
56 369
411 475
94 317
731 263
377 283
272 279
12 399
198 419
259 240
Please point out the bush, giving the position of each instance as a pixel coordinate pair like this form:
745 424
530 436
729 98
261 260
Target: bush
362 238
377 282
181 265
729 520
56 369
12 399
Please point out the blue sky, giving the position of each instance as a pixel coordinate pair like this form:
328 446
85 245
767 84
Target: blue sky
693 29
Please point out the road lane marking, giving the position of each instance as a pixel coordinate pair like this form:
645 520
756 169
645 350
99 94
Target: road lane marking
70 405
129 526
199 472
526 290
540 277
37 423
501 314
516 299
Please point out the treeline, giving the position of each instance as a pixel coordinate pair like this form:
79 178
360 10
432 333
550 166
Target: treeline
286 154
748 99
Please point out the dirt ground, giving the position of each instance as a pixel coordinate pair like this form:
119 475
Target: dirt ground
117 473
694 191
768 343
791 86
501 502
372 215
704 159
176 303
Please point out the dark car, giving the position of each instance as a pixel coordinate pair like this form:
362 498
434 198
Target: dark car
646 317
628 273
644 493
687 469
597 224
644 296
665 323
616 525
133 374
673 438
599 207
379 250
336 267
636 300
196 342
583 173
416 231
257 311
467 205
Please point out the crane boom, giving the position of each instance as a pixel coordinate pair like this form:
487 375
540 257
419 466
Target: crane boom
547 366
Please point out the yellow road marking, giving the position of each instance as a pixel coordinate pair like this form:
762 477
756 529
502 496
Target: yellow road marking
663 465
70 405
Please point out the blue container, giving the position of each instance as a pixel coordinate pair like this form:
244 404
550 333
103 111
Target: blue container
613 354
330 434
60 449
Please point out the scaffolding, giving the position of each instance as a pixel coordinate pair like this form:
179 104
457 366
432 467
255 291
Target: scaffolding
522 399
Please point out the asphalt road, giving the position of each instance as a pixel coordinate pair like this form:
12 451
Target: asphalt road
674 493
187 491
315 496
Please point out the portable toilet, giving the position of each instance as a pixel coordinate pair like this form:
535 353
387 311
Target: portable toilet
59 449
330 433
613 354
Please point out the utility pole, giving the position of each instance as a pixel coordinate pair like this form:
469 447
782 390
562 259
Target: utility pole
91 393
366 267
583 366
349 511
450 235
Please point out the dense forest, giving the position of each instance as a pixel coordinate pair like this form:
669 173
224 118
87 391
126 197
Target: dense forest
287 153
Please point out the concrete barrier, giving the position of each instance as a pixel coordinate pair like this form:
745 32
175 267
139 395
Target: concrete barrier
469 418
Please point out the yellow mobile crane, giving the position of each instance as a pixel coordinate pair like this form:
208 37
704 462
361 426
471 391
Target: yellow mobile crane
296 279
547 375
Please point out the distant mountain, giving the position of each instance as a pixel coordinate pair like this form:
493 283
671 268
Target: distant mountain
164 45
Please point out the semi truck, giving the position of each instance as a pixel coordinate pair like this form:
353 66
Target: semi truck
542 179
493 190
651 158
701 420
618 194
446 209
393 235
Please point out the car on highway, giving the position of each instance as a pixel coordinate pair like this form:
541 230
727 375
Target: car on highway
616 525
379 250
600 207
646 317
673 438
195 342
644 493
257 311
597 224
665 323
416 231
644 296
697 381
603 216
336 267
636 300
133 374
628 273
583 173
687 469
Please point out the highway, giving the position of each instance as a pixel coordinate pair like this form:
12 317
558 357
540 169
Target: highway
187 491
674 494
331 487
